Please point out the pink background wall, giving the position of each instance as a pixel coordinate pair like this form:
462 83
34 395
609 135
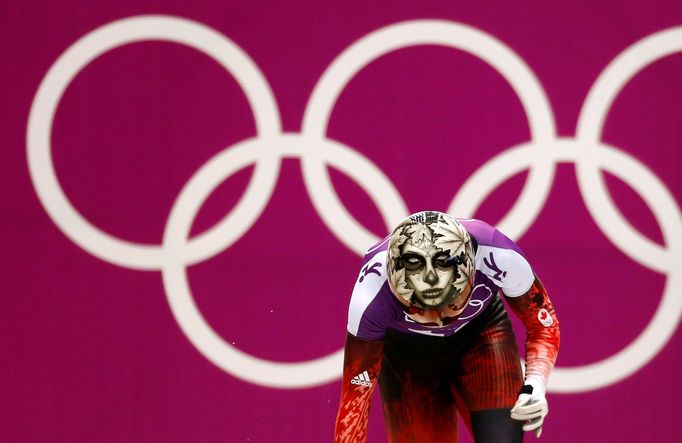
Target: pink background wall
93 351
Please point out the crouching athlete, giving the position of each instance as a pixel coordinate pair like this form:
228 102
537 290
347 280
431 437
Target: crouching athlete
427 323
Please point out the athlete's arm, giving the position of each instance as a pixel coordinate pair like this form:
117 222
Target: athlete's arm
362 361
535 310
542 345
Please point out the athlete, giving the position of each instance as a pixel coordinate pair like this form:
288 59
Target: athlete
426 322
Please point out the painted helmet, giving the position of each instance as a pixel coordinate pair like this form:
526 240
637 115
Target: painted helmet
431 263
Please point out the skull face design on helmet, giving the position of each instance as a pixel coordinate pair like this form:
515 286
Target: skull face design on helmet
430 263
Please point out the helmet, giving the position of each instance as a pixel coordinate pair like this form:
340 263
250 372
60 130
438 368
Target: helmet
430 264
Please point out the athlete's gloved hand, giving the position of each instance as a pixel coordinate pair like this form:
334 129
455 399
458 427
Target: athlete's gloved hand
531 406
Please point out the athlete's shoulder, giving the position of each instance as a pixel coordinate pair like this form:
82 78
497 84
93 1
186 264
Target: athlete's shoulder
500 258
372 307
377 248
487 235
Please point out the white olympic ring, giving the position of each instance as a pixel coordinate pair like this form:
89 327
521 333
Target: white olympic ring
79 55
316 152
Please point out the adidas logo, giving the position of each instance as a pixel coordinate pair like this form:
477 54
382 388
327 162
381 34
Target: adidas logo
362 380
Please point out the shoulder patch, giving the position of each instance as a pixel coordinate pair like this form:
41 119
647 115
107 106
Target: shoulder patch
545 318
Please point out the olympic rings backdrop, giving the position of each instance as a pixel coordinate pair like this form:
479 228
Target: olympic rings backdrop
188 189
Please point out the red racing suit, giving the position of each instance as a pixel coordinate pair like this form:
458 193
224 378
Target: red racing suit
500 270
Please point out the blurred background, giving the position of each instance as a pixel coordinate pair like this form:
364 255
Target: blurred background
188 187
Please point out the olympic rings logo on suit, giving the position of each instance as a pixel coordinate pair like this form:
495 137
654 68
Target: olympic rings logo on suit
266 150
